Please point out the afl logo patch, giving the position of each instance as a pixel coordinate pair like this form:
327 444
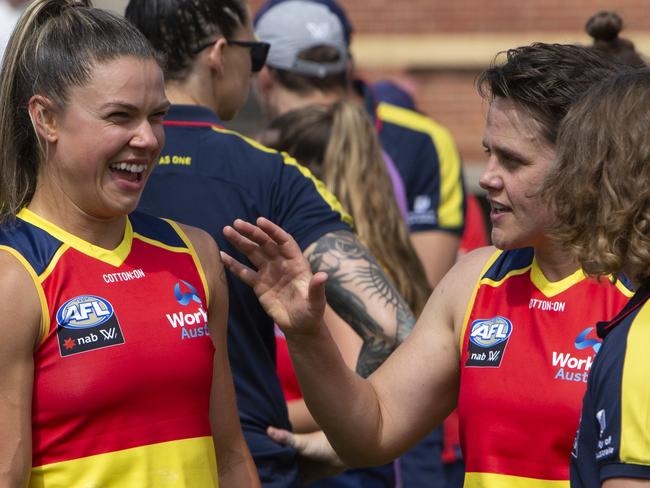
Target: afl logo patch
84 312
488 339
85 323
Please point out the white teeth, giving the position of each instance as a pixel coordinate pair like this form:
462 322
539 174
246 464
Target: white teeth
132 168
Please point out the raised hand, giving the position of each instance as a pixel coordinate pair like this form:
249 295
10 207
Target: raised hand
283 282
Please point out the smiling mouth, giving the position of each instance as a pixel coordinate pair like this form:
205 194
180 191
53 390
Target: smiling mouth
128 171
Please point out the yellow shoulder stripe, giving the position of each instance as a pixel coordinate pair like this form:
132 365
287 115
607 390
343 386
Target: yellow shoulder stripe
325 194
450 210
635 393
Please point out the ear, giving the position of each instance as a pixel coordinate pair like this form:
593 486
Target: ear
42 114
215 56
265 82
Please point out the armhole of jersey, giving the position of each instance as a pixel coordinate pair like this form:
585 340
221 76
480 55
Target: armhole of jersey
45 313
195 258
470 304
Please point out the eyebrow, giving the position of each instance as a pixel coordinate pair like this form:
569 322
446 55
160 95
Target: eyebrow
130 107
506 153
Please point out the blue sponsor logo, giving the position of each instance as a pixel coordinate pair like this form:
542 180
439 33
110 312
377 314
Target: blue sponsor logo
582 342
184 297
490 332
84 312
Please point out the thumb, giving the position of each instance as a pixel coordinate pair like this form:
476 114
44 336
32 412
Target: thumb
281 436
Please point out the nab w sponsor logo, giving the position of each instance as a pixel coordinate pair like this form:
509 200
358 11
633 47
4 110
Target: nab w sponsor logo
86 323
488 339
574 368
191 324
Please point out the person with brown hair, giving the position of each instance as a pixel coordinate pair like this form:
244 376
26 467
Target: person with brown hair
604 27
514 350
113 358
599 189
339 145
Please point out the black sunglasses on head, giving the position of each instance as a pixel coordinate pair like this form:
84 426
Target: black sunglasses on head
259 50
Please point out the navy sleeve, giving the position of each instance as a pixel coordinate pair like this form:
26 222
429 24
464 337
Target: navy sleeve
302 205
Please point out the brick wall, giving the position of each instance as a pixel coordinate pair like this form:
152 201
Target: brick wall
426 16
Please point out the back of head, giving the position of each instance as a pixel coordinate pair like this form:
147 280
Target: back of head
54 47
545 80
599 185
180 28
339 144
604 27
333 5
308 46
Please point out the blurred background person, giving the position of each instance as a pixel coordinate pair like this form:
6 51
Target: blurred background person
604 28
338 144
310 63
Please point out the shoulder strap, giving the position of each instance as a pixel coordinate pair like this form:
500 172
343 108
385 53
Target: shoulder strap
640 297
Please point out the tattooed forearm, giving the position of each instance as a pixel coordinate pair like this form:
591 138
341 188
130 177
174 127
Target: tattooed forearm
356 283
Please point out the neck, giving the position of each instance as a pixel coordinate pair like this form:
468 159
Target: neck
553 262
106 233
196 89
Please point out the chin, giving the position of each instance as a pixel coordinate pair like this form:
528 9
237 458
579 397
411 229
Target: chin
506 243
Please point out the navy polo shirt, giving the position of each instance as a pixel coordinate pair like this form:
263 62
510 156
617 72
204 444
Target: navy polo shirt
613 440
427 159
207 177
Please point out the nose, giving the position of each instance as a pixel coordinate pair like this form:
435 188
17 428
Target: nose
147 136
490 180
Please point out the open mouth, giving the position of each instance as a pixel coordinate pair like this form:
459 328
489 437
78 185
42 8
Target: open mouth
497 208
128 171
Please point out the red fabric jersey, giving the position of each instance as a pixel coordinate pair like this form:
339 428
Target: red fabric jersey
527 347
122 376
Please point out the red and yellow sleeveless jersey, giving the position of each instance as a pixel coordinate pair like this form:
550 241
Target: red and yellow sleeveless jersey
527 347
123 372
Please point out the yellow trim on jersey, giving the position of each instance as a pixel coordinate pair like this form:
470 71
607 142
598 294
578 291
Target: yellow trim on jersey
195 257
53 262
45 312
494 480
161 465
553 288
509 274
328 196
325 194
624 289
635 393
162 245
114 257
450 207
470 304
